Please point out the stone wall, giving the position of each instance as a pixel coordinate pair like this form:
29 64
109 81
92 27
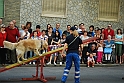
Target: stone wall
78 11
12 11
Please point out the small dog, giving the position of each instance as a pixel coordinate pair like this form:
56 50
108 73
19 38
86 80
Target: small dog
26 45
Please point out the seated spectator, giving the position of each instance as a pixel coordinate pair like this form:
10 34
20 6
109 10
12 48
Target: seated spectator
108 49
92 50
90 60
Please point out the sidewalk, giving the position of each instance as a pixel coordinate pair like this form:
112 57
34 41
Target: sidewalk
81 65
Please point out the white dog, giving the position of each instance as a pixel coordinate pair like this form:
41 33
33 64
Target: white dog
26 45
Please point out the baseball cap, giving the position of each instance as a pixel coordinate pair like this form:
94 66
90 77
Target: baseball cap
73 28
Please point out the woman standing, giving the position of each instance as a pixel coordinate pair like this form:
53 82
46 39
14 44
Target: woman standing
118 45
55 42
85 47
73 42
2 50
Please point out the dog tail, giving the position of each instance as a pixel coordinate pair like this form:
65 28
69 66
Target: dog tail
9 45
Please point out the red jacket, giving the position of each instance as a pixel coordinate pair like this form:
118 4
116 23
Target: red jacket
12 34
2 38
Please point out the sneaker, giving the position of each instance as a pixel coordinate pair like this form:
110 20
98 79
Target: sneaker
88 66
30 63
34 63
48 63
60 63
92 66
54 63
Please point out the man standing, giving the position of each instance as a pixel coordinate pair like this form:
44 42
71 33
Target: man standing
108 31
58 28
81 29
12 36
67 32
14 21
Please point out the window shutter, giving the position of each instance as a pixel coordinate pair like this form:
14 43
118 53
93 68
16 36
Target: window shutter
54 8
1 8
109 10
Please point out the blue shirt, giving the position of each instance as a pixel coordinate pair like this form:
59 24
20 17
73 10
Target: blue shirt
108 44
60 31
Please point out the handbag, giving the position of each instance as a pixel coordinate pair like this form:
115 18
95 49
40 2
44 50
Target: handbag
107 50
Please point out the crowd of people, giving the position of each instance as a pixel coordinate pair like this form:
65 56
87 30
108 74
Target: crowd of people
108 47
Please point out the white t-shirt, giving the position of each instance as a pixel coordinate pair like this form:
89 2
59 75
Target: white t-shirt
90 59
43 38
23 34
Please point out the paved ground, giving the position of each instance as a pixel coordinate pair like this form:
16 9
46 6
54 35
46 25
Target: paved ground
88 75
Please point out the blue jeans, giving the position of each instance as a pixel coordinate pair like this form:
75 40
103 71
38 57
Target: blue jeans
69 58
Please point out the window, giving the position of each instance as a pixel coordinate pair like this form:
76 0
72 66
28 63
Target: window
108 10
1 8
54 8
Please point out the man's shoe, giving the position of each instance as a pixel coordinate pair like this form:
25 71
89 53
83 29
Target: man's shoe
123 78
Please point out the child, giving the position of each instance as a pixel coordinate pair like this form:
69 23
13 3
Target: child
90 60
33 37
62 41
99 52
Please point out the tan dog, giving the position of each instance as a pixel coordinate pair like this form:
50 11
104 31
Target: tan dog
26 45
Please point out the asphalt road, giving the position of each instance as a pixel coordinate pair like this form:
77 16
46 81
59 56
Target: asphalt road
88 75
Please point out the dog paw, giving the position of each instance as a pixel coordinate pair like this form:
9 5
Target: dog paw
24 59
19 61
40 54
